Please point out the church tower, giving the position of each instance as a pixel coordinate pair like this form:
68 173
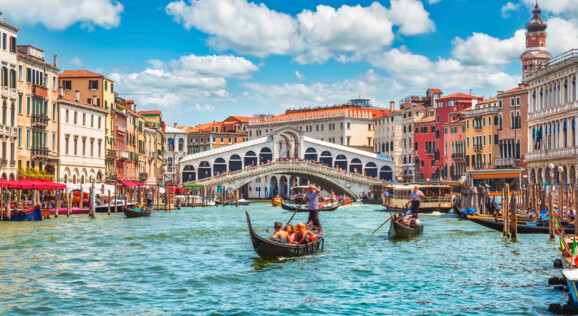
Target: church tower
536 56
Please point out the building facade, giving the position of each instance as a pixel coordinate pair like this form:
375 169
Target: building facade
8 130
455 150
426 149
513 136
175 150
388 137
154 146
482 127
37 112
203 137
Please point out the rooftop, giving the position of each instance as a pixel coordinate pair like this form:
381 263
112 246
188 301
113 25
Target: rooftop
154 112
79 74
458 95
428 119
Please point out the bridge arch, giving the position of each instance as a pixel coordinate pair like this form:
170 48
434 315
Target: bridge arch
250 158
371 169
265 155
310 154
189 173
341 162
326 158
355 165
385 173
235 163
219 165
205 170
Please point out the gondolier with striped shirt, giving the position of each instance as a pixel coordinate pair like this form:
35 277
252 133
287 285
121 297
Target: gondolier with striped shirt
415 198
312 199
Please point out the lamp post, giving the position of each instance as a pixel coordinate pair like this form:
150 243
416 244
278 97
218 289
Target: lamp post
560 171
551 167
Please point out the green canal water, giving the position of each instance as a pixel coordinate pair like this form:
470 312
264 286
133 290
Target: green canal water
200 261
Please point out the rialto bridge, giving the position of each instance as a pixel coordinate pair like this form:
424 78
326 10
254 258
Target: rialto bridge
287 152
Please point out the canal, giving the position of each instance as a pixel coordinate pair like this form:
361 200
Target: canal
200 261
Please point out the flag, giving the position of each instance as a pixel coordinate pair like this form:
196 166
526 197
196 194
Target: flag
574 246
172 144
562 247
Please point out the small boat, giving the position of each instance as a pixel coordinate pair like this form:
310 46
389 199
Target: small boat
398 230
73 210
130 213
31 214
103 208
303 207
571 276
241 202
523 228
276 201
347 201
272 249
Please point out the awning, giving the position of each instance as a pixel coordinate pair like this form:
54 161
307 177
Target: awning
138 183
193 185
128 183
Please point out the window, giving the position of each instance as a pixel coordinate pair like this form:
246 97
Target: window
27 105
19 104
20 138
66 145
76 146
4 41
20 72
348 125
13 44
83 119
437 119
27 138
99 122
67 84
512 102
106 86
518 101
54 111
75 119
500 103
93 84
92 148
53 141
54 83
84 147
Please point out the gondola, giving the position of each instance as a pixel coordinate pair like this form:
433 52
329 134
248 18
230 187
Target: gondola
133 214
104 207
268 249
523 228
303 207
397 230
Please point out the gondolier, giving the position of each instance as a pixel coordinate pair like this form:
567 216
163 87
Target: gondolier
312 197
415 198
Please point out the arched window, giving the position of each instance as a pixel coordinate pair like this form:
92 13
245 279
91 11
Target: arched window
181 144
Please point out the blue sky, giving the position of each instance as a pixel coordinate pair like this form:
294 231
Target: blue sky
202 60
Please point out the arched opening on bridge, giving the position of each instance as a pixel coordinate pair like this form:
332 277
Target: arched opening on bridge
293 182
341 162
326 158
204 170
235 163
385 173
311 154
355 165
572 175
283 187
371 169
540 175
189 174
303 181
220 166
274 186
250 158
265 155
533 176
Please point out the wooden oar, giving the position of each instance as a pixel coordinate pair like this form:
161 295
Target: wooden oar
402 209
297 209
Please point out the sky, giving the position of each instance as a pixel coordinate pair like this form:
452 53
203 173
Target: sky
203 60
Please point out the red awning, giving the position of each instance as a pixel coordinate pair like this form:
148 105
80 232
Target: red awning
128 183
138 183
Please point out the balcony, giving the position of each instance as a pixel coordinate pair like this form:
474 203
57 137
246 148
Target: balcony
3 162
553 110
13 93
110 154
121 128
151 155
458 156
12 163
6 92
39 151
122 155
478 148
430 152
40 91
40 120
477 127
143 177
559 153
483 111
505 162
479 166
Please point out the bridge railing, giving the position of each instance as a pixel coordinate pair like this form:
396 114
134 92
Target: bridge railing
264 166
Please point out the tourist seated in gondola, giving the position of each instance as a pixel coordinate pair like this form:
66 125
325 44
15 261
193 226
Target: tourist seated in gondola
279 235
290 231
139 207
303 235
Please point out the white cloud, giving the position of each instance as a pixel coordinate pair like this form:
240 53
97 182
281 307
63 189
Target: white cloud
181 81
299 75
510 6
559 7
396 60
346 33
75 61
201 107
60 14
562 35
483 49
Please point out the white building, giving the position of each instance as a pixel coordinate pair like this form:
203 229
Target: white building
177 138
388 137
81 138
9 94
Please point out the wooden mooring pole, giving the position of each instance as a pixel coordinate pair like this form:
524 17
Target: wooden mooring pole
551 213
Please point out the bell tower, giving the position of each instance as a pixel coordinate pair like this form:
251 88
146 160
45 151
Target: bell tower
536 56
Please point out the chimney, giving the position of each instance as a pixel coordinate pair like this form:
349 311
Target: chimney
175 125
55 60
60 91
94 100
391 106
77 95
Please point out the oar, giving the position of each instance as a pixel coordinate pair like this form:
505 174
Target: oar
402 209
297 209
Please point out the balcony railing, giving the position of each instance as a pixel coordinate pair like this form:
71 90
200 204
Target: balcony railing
121 128
430 152
122 155
505 162
478 148
479 166
477 127
569 152
110 153
482 111
458 156
3 162
6 91
40 91
40 120
554 64
13 93
143 176
39 151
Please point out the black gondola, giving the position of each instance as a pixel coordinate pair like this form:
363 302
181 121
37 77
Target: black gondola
523 228
303 207
271 249
130 213
104 208
397 230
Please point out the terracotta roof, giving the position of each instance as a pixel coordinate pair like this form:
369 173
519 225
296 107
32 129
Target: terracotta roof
322 114
459 95
435 91
79 74
69 98
154 112
428 119
517 89
490 100
244 119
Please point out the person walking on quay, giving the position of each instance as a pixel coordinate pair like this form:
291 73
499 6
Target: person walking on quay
415 198
312 198
149 196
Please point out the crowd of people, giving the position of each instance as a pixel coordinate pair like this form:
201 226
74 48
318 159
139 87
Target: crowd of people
298 235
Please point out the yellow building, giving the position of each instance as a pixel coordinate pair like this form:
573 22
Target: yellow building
154 146
482 126
97 90
37 108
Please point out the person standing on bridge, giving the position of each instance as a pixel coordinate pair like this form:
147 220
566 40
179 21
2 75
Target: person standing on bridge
311 198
